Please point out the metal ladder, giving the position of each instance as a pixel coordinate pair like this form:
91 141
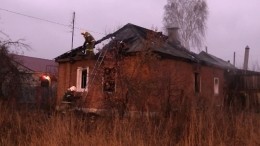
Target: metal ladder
97 65
95 70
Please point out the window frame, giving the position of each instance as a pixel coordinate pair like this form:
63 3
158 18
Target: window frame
79 79
216 86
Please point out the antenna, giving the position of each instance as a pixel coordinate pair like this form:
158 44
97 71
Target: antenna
72 39
73 27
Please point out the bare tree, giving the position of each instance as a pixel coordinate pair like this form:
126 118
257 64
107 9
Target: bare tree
10 75
190 17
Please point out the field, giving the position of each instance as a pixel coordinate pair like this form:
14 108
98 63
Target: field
188 126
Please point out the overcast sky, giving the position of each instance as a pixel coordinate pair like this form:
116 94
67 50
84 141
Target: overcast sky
232 24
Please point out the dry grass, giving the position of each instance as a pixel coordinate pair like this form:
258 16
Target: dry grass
185 127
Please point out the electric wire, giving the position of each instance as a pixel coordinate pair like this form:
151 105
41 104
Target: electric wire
46 20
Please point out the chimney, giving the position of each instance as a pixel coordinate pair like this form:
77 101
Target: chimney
246 58
234 59
173 35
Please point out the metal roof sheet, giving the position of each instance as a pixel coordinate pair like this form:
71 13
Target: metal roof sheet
33 63
213 60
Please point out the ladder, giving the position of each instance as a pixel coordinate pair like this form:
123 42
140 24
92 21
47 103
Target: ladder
97 65
95 70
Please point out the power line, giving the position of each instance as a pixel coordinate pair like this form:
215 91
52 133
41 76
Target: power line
35 17
45 20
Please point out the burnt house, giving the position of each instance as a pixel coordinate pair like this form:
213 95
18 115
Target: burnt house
142 69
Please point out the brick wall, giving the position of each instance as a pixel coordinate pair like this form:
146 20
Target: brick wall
154 82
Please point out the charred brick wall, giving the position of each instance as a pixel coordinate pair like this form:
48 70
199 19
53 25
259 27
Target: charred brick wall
146 86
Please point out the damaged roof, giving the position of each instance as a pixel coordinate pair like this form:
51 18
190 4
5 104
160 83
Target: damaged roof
72 54
136 38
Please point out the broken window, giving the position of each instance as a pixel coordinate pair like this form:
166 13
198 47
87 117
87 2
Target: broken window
109 79
197 82
82 79
216 86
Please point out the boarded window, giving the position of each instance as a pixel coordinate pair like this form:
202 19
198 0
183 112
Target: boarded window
109 84
82 79
216 86
197 82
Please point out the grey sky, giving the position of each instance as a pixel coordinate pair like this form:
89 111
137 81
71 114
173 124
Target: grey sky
232 24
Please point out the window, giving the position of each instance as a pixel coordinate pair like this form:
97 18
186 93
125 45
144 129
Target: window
109 84
197 82
82 79
216 86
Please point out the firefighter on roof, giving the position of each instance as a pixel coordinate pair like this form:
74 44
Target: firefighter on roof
89 42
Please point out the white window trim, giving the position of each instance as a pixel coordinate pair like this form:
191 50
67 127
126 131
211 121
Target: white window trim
79 79
216 87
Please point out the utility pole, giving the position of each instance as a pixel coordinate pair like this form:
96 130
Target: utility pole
73 26
72 40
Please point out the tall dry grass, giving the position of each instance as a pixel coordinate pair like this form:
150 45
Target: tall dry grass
188 126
